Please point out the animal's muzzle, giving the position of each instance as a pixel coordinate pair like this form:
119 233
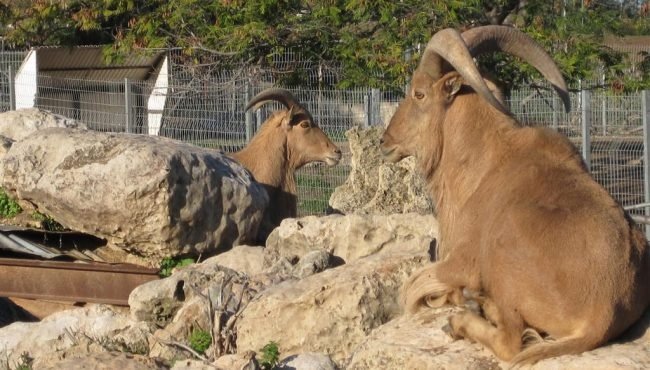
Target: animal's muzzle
334 158
389 149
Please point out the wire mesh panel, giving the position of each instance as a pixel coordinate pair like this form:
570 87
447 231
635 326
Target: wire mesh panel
108 106
614 128
9 63
211 116
204 105
543 107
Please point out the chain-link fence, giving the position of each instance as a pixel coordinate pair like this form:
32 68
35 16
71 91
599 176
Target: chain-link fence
205 106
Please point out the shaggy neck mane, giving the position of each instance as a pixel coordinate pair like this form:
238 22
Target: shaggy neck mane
266 156
459 159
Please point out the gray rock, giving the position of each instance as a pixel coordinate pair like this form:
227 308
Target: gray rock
244 360
106 361
330 312
150 196
351 237
418 342
377 187
159 301
194 314
242 258
97 328
307 361
311 263
17 124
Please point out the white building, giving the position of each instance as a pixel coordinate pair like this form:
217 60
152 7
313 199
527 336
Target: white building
128 95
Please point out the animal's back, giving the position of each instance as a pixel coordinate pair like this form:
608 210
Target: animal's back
555 246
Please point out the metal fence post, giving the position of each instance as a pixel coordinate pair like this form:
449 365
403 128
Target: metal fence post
128 106
374 99
248 116
645 112
585 106
12 89
367 109
555 108
604 115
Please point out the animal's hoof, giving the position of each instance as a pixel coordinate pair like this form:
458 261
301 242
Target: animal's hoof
472 295
473 306
449 331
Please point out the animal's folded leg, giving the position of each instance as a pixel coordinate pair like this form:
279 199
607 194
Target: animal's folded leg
504 339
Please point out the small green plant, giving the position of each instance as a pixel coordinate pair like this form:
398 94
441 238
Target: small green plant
270 356
170 263
200 340
8 207
47 222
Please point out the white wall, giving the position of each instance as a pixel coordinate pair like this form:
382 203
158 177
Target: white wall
156 101
26 82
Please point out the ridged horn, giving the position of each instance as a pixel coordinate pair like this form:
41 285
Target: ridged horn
510 40
283 96
449 45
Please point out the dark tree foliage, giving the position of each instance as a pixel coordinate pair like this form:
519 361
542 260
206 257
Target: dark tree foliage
370 42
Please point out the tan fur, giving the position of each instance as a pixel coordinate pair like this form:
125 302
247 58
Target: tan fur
284 144
523 222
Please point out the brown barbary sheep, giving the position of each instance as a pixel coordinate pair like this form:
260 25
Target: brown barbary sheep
525 230
287 140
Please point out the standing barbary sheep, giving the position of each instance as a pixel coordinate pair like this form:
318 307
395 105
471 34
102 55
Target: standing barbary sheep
287 140
523 222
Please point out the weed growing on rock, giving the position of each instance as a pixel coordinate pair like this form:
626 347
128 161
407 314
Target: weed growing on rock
270 356
200 340
170 263
8 207
47 222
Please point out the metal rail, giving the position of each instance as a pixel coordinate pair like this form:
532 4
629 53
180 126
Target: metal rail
71 281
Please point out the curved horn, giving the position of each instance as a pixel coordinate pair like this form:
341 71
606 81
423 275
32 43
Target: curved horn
449 45
510 40
274 94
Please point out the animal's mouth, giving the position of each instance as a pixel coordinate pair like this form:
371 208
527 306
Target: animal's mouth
391 154
332 160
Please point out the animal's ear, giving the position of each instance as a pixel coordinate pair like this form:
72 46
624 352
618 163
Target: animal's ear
287 120
452 86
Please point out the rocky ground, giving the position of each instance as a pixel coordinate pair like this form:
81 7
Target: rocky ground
322 293
327 301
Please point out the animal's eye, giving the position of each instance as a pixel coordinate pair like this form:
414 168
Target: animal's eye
419 95
304 124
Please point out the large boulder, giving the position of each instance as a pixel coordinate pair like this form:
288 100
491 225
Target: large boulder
330 312
375 186
151 196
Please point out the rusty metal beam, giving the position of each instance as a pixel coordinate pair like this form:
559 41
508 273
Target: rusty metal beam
71 281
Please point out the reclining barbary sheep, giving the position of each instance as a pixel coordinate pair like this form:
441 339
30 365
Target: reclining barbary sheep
287 140
524 228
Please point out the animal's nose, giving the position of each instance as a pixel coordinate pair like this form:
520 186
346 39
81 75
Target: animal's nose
381 141
337 151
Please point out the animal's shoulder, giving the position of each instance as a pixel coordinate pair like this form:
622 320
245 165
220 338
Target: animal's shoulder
546 141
